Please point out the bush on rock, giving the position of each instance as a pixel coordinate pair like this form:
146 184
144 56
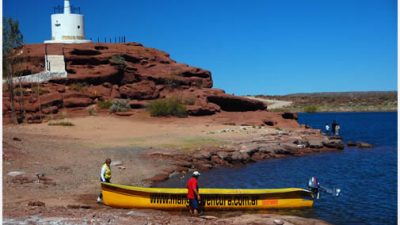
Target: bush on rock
167 107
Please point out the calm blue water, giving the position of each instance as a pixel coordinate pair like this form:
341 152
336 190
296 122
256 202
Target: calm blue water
367 177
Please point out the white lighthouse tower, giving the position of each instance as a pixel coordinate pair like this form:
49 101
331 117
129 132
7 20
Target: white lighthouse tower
67 27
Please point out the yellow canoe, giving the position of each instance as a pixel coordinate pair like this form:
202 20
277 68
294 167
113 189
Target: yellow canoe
122 196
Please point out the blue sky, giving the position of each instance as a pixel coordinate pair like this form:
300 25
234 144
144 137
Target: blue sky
253 46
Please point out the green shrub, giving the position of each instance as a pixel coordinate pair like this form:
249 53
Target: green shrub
311 109
167 107
104 104
121 105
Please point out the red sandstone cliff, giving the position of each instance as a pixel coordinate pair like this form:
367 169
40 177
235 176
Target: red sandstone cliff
108 71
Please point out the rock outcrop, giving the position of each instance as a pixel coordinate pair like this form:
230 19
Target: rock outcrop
101 72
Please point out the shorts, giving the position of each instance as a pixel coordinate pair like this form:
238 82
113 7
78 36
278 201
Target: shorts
193 203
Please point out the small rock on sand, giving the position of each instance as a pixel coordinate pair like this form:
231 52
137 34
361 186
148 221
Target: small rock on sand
17 139
36 203
136 213
209 217
15 173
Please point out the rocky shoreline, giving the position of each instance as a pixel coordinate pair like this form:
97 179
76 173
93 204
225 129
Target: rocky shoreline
294 142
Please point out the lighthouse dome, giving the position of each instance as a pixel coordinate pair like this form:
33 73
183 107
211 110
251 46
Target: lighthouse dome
67 27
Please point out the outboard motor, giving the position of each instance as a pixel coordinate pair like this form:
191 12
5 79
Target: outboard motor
316 188
313 186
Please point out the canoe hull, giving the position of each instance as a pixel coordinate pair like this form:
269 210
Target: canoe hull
120 196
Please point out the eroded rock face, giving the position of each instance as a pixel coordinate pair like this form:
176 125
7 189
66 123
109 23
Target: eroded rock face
203 110
142 90
77 102
115 63
103 72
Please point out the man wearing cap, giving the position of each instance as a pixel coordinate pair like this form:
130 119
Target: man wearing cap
193 193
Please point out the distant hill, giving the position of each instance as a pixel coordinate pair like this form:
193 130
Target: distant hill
370 101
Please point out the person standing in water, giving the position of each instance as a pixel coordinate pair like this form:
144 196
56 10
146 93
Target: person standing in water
337 129
334 124
327 128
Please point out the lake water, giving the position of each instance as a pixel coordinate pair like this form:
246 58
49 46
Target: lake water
367 177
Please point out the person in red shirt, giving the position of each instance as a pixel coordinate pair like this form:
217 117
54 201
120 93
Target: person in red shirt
193 193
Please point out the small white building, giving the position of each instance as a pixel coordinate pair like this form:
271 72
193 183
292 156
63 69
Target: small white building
67 27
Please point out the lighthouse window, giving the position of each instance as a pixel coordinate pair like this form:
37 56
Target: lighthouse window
79 27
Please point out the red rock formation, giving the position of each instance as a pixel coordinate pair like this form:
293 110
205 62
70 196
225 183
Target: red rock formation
129 71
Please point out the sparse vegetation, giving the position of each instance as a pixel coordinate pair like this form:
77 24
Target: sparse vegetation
92 112
167 107
104 104
311 109
79 87
373 101
120 105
